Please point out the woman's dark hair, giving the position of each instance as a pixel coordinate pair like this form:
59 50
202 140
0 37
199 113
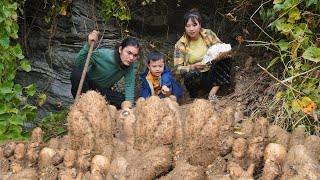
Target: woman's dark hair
129 42
192 14
154 56
126 42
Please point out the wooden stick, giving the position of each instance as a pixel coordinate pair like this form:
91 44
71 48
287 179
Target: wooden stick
84 72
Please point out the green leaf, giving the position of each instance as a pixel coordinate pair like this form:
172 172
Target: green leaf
3 108
8 97
305 67
305 101
287 28
17 90
312 54
297 64
295 106
1 66
294 13
15 119
31 89
13 110
3 127
47 19
6 87
309 2
284 45
29 112
273 62
42 99
4 42
4 117
61 130
14 132
16 50
25 65
277 1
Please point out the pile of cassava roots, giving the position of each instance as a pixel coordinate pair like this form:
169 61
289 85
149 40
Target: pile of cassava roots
154 140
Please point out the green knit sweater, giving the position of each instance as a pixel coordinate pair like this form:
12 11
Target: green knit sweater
105 70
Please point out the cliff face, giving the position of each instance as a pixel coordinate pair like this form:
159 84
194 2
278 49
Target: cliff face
51 54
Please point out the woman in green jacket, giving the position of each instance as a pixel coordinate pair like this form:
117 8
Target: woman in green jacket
107 67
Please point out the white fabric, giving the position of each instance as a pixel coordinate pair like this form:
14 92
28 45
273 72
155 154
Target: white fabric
214 51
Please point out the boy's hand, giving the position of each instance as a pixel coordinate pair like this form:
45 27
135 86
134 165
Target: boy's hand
93 36
165 90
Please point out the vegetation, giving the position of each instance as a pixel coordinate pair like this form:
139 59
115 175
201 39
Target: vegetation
293 27
14 107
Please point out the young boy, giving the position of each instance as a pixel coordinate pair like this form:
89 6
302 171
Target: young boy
157 79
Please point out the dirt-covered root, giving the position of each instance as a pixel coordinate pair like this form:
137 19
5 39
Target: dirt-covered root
125 125
200 131
118 168
260 128
239 148
151 164
89 123
297 137
25 174
300 165
156 123
271 170
185 171
278 135
274 156
217 167
276 153
237 172
227 125
312 144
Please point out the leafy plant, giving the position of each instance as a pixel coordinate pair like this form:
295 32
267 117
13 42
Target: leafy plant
295 29
53 125
117 9
14 108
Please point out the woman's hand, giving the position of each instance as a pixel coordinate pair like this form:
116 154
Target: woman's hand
93 36
165 90
198 66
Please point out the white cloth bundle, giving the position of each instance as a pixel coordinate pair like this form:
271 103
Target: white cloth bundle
214 51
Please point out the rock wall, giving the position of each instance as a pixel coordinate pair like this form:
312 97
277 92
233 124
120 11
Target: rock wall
51 55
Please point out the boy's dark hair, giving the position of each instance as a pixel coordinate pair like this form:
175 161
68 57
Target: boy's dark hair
154 56
194 15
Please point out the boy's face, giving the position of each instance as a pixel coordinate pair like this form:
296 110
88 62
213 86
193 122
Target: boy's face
156 67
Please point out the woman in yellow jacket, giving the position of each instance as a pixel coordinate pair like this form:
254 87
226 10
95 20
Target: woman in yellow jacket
189 52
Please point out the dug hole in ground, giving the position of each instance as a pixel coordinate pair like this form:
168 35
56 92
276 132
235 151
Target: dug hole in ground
167 143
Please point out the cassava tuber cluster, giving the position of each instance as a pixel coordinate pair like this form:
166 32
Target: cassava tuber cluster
154 140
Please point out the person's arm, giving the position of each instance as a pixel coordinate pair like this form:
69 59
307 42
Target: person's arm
81 57
180 65
144 89
129 84
166 82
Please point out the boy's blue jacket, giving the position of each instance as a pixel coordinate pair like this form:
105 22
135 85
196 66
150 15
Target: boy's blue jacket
165 79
